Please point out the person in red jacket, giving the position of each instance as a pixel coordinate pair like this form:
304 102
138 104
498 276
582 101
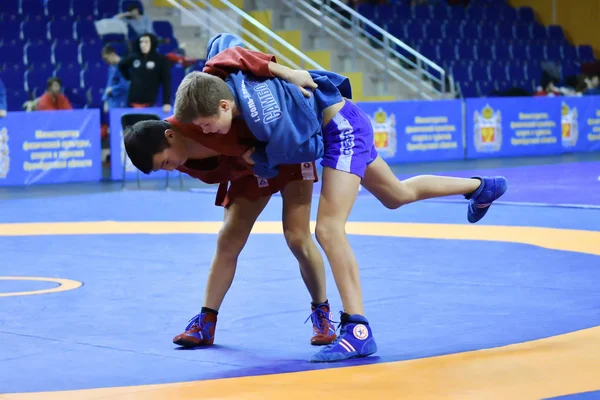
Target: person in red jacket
53 99
214 158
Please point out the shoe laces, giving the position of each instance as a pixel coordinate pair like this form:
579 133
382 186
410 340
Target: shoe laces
320 319
196 323
340 336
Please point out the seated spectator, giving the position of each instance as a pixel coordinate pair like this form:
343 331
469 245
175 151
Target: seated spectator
592 85
548 88
137 21
53 99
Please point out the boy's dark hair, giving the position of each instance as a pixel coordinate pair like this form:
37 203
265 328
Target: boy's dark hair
51 80
134 6
108 49
199 95
143 140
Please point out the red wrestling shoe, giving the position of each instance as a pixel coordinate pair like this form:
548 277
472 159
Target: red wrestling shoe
199 332
323 329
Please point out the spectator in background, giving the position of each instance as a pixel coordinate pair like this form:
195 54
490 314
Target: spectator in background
592 85
53 99
117 87
137 21
3 103
147 70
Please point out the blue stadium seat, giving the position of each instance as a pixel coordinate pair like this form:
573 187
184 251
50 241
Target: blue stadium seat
533 71
415 31
366 10
484 51
13 78
468 89
497 71
554 52
85 30
502 52
485 88
465 51
451 30
569 52
508 14
58 8
10 30
519 52
461 74
36 78
440 13
422 13
31 8
515 71
487 31
15 99
433 30
536 52
65 52
10 7
502 85
38 53
61 29
33 30
586 53
538 32
107 8
555 32
526 14
457 13
95 75
90 53
83 9
70 76
506 31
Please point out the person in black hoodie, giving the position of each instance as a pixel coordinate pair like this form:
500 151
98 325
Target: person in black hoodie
147 70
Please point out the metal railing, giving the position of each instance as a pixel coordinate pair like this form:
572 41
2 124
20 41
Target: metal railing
364 39
225 23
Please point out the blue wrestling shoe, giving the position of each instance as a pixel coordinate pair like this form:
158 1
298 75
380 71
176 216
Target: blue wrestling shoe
480 200
355 340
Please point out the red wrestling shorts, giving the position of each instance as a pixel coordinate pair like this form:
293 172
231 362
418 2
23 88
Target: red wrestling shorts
252 187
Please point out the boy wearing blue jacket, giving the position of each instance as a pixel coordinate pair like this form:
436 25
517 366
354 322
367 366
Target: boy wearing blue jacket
295 128
117 87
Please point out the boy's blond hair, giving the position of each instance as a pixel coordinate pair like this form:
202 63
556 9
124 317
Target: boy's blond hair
199 95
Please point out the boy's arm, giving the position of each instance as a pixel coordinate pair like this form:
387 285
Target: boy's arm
237 58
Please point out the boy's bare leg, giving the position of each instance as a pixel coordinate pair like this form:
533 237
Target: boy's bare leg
297 199
393 193
338 195
238 222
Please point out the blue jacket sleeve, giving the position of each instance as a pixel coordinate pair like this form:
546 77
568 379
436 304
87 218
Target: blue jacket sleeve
278 115
121 88
3 104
